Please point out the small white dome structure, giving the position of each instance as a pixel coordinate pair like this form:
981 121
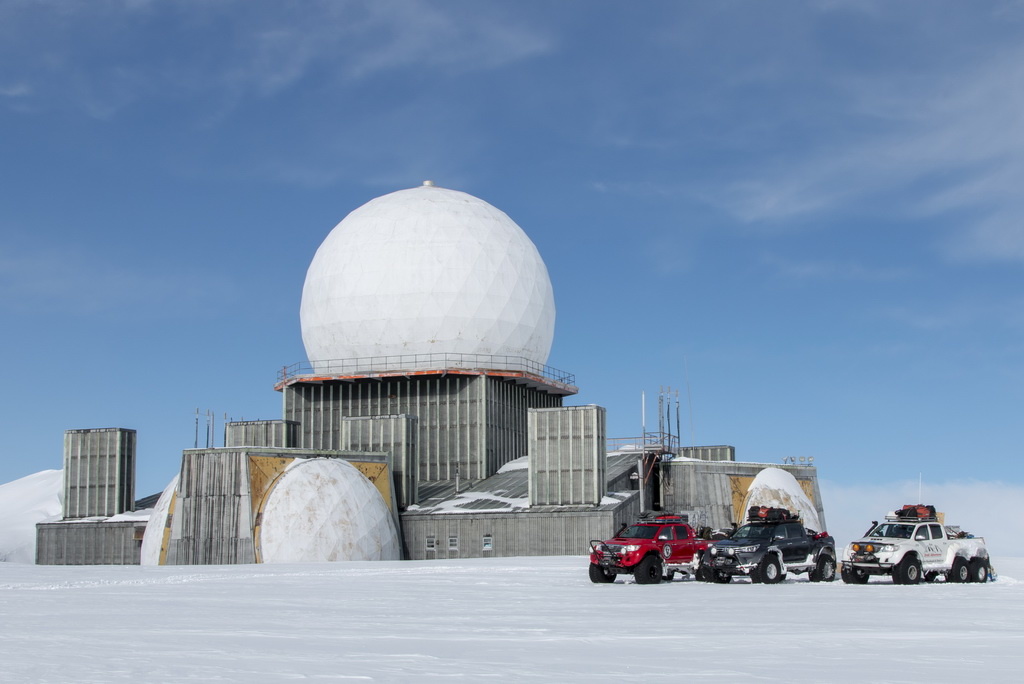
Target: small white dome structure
777 488
153 538
325 510
427 271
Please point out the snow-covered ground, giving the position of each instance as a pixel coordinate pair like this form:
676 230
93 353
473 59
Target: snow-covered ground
510 619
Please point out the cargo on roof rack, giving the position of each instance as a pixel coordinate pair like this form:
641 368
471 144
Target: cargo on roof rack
915 512
767 514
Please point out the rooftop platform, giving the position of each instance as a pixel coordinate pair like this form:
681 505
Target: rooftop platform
517 369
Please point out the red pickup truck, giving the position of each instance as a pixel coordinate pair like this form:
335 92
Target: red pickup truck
651 549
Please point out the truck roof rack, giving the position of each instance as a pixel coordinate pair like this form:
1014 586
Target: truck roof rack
660 518
767 514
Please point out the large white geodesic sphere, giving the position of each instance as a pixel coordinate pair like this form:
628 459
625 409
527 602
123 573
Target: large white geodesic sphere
423 271
324 509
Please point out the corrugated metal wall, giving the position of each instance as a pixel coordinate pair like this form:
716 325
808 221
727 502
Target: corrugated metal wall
709 453
513 534
567 455
212 523
261 433
99 472
395 435
507 421
89 543
473 423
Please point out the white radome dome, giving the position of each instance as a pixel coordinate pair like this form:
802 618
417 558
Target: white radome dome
324 509
777 488
153 538
427 271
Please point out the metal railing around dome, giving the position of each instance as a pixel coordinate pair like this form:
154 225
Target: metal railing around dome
418 362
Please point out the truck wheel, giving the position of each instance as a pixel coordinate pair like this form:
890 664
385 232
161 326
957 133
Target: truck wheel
960 572
599 575
854 576
824 571
768 570
979 570
907 571
648 571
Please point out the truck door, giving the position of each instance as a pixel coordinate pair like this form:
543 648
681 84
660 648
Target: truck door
796 545
666 543
683 546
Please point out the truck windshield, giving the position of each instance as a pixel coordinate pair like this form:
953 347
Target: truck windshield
639 532
894 530
753 532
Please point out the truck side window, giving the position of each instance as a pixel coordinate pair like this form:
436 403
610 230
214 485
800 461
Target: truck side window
921 534
665 533
937 532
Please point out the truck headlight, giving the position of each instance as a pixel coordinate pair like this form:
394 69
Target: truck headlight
713 551
888 548
746 549
630 548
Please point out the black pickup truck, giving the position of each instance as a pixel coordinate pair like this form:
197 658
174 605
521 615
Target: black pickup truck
772 543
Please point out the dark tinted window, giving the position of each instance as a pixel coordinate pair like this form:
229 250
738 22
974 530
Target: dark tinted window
640 532
754 532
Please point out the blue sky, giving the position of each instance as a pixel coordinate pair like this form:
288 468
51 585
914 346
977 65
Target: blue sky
807 214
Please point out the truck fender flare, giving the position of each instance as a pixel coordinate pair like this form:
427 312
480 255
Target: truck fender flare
825 551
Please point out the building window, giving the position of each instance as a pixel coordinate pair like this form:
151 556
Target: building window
488 542
431 543
453 543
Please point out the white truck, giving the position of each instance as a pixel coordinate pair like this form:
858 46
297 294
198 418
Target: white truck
913 545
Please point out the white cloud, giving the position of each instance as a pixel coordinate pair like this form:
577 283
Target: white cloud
108 56
985 509
922 145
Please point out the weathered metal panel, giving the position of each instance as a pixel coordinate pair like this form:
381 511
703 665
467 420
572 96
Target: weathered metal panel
511 534
393 434
261 433
709 453
567 455
467 426
213 517
99 472
89 542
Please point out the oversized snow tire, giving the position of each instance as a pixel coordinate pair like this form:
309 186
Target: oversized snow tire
854 576
648 571
961 572
907 571
979 570
769 570
824 570
599 575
